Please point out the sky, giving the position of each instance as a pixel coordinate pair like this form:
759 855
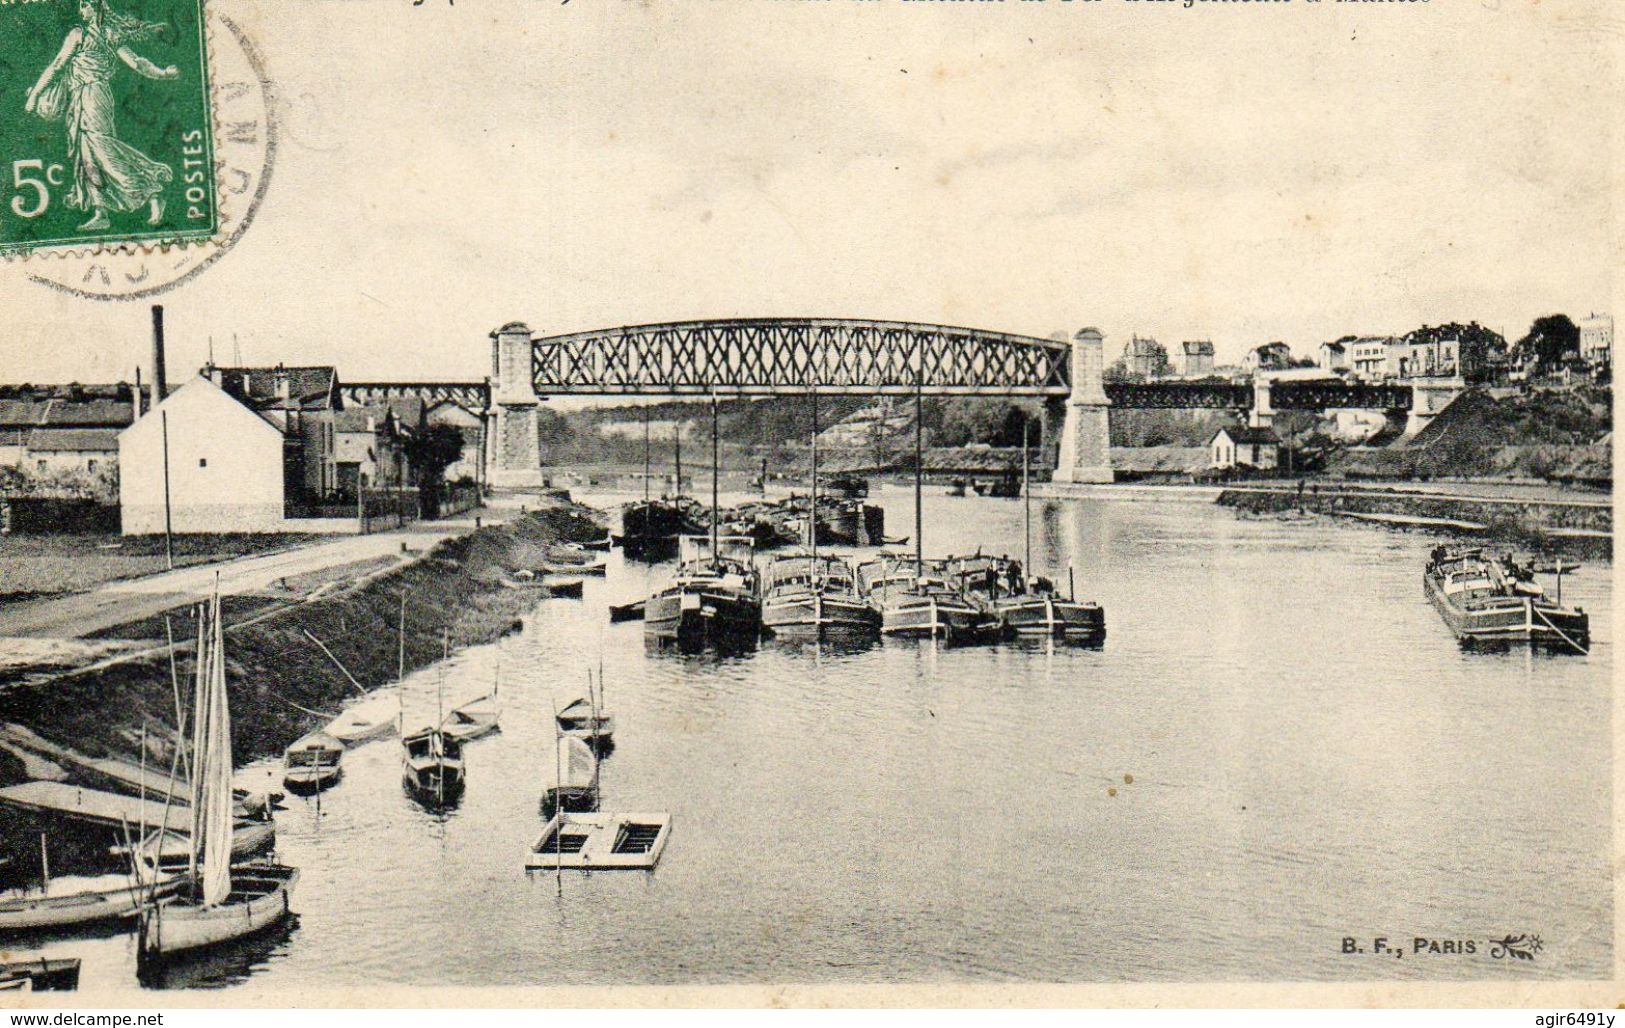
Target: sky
1240 172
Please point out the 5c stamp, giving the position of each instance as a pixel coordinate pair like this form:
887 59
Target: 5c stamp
106 131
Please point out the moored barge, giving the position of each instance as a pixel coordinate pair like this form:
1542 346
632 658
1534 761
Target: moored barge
1483 604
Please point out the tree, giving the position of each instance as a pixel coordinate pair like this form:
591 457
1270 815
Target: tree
431 452
1550 341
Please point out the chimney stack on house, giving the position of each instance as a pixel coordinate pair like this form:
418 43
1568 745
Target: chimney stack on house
158 378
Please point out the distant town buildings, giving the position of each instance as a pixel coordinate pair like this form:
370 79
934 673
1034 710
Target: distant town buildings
1145 357
1367 356
1196 358
1597 340
1334 357
1269 357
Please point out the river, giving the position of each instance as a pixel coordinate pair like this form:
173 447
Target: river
1280 746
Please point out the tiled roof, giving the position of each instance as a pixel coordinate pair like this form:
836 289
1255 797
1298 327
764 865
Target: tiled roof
262 388
87 413
1248 436
58 440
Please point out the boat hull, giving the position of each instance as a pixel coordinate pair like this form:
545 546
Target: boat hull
693 620
434 783
805 615
1041 616
260 897
37 913
932 618
305 781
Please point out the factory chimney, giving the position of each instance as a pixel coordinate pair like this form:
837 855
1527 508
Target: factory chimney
158 378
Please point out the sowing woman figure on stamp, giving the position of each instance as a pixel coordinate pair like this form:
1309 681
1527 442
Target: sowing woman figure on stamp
108 174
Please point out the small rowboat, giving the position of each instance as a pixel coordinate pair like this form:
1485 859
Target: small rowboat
432 768
577 721
41 975
560 567
373 717
473 719
312 763
108 898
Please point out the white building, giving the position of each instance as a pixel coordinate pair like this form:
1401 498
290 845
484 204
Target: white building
225 466
1597 340
1244 447
1196 358
1368 358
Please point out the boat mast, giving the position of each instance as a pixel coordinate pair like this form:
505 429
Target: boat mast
919 467
677 482
1027 509
400 651
812 507
715 473
645 476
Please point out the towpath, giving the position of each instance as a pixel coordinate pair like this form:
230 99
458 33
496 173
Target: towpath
115 603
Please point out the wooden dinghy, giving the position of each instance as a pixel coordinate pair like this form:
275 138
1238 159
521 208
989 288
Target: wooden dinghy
558 567
600 842
579 720
78 901
373 717
473 719
432 768
41 975
312 763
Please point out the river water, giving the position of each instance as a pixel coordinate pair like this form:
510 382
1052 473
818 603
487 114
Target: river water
1279 746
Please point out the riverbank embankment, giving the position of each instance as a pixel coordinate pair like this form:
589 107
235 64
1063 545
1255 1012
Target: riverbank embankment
282 681
1581 524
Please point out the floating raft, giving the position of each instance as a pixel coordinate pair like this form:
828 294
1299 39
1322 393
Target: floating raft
600 842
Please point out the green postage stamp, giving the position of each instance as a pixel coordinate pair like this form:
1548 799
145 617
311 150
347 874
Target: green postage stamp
105 125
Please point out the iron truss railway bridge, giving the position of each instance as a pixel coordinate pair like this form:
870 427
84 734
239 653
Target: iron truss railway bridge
741 357
790 356
1311 395
474 397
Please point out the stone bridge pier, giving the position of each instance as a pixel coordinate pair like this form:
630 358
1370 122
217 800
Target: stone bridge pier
1083 451
514 457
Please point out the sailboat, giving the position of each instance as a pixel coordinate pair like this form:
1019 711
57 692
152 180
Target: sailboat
474 718
432 767
312 763
712 599
216 902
